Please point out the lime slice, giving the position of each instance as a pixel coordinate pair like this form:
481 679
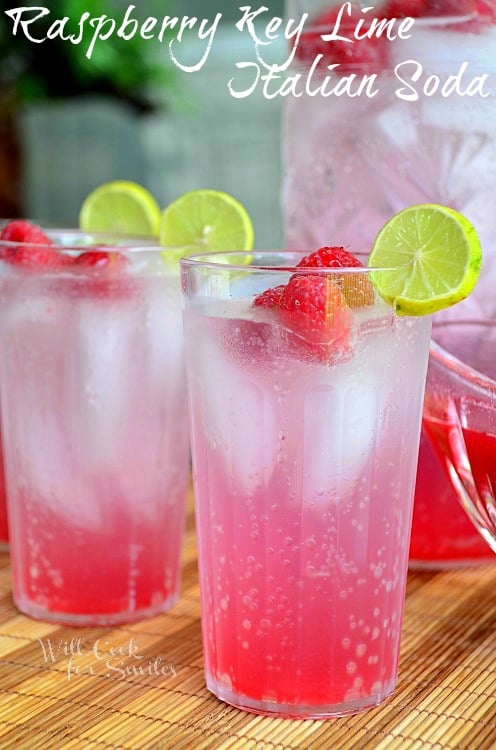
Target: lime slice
123 207
434 255
204 221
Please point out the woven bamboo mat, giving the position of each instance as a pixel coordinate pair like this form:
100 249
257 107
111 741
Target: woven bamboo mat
446 696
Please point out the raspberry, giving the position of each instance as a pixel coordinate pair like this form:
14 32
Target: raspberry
250 343
40 254
450 7
372 53
270 299
405 8
101 275
315 310
329 257
357 289
479 13
23 231
486 9
102 259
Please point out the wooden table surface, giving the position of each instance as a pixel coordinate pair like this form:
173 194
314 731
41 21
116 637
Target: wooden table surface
107 697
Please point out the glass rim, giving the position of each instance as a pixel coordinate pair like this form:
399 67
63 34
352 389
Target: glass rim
212 260
455 365
106 242
71 240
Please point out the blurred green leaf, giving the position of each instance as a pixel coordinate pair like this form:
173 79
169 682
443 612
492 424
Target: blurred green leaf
136 71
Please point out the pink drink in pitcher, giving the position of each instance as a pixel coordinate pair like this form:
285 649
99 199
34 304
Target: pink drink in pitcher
442 534
460 424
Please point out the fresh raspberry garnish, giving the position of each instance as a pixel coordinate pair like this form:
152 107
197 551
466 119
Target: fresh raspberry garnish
23 231
486 9
270 299
40 254
329 257
479 13
357 289
314 309
101 259
349 54
101 275
250 343
450 7
404 8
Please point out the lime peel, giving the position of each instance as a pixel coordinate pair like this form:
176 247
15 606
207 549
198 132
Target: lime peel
122 207
205 220
434 259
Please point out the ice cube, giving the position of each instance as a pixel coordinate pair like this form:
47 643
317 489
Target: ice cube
396 156
162 340
456 113
323 160
98 391
441 50
445 53
40 459
36 343
342 416
417 163
238 416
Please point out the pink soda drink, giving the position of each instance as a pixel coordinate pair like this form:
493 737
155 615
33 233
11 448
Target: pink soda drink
390 132
442 533
94 425
304 454
460 422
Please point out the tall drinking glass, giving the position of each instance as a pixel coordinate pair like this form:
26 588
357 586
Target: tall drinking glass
94 427
304 453
423 131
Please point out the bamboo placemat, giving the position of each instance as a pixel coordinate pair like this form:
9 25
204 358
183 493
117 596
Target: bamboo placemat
445 697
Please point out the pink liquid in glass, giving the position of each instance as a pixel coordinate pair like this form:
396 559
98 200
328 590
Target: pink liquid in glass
96 441
296 614
304 474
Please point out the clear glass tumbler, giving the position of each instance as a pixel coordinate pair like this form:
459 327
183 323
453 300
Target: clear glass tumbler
94 427
426 135
304 448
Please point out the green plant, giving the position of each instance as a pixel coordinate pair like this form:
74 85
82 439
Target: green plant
124 69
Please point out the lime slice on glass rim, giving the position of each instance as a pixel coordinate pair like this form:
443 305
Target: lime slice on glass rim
120 207
206 221
434 255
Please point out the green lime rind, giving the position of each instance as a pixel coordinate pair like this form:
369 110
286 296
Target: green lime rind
435 257
203 221
121 207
